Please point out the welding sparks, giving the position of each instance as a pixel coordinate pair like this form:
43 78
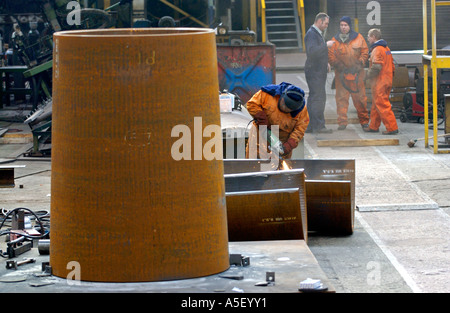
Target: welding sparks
284 166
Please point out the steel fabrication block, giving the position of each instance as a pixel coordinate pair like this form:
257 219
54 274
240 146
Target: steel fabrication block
329 187
265 195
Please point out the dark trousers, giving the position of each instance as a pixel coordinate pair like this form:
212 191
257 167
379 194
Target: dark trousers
316 100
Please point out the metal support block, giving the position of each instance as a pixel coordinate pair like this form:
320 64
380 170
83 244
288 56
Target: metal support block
7 176
256 181
17 249
266 215
330 190
330 207
266 206
315 169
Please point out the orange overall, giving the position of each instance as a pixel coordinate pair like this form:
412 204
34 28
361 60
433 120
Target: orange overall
348 59
290 128
381 88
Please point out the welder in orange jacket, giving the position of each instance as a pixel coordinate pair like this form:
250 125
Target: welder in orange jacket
381 73
282 105
348 56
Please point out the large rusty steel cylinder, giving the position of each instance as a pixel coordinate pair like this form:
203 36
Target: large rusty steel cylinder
123 208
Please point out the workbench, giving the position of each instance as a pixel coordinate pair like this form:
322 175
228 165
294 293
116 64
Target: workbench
291 261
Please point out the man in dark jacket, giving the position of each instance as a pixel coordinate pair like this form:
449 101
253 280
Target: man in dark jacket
316 69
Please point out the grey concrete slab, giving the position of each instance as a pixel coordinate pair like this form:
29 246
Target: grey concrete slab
418 240
356 264
290 260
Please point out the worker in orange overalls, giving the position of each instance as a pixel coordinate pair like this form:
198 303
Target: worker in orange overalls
381 73
348 56
282 105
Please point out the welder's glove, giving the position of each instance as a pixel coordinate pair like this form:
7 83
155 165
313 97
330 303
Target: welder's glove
261 118
374 71
339 66
289 145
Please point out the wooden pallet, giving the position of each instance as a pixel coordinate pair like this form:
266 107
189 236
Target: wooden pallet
357 142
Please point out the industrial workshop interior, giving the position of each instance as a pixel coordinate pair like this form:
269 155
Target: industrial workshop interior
227 153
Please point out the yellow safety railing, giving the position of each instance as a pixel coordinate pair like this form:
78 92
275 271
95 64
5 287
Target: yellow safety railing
262 14
435 61
183 12
425 70
301 14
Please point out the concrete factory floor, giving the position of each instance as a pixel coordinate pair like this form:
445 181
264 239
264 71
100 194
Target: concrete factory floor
405 226
401 240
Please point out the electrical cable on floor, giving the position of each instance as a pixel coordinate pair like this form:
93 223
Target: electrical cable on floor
8 161
35 214
246 127
8 232
31 174
42 230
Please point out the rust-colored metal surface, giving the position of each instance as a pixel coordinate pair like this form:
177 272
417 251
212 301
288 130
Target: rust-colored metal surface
329 194
315 169
243 69
329 207
270 181
265 215
7 177
122 206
